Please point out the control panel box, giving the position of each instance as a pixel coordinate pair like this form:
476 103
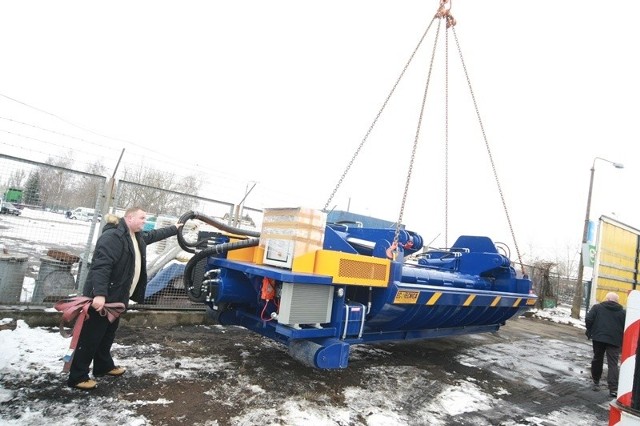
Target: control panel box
288 233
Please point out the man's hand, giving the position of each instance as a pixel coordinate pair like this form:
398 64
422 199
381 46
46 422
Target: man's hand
98 303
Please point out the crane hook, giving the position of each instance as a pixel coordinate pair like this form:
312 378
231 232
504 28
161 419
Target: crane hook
444 12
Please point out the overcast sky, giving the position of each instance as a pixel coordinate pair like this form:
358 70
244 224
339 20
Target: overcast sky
282 93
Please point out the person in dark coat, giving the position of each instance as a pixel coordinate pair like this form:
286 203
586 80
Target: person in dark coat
118 273
605 328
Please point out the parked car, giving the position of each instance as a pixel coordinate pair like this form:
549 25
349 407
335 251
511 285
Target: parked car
83 213
8 208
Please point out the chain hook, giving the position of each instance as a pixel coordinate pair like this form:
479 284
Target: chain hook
445 12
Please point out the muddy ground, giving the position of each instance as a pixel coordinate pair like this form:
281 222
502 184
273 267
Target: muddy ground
533 371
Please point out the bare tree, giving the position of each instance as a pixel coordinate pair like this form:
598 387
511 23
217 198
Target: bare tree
159 192
568 265
97 168
16 178
54 182
61 189
542 273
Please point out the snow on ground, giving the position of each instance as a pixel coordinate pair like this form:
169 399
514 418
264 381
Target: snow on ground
46 228
29 352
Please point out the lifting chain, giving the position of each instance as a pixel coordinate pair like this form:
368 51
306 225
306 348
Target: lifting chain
443 12
396 235
384 104
446 138
486 143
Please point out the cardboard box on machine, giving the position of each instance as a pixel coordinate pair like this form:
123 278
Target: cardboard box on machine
291 236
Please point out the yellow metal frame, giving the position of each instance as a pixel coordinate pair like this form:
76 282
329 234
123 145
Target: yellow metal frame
351 269
243 255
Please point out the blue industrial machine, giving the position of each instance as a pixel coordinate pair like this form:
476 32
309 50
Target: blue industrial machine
319 285
319 302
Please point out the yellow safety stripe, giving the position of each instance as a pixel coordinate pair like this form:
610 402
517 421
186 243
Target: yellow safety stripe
434 298
412 296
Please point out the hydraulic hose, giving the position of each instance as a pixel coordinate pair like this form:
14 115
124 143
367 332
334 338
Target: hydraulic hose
186 246
195 294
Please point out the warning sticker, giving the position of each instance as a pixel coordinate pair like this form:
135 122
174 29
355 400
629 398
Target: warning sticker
406 297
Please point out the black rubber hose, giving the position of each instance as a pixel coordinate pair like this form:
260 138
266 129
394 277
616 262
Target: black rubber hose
186 246
199 296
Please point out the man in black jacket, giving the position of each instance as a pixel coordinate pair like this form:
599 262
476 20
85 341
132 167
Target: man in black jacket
118 273
605 327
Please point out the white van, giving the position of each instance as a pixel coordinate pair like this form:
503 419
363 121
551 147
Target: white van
83 213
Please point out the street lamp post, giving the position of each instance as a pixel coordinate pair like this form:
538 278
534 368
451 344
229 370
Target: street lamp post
578 295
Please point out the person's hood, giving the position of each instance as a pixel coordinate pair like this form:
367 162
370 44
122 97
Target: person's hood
111 221
612 306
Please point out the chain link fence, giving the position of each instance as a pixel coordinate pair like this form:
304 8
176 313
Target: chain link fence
166 261
52 216
552 288
43 242
51 219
